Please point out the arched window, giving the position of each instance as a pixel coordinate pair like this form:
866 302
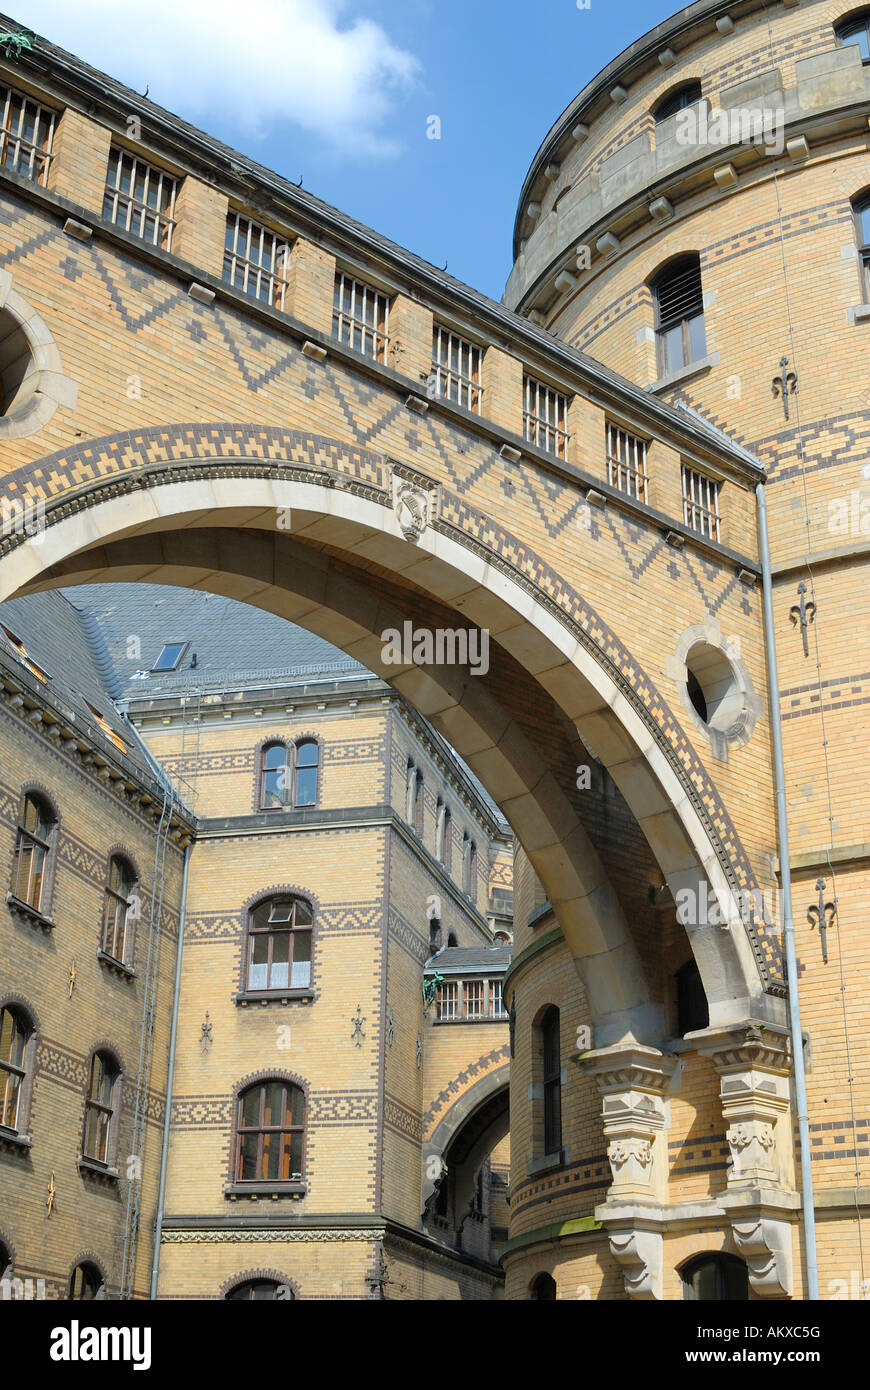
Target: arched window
692 1009
677 100
120 909
710 1277
101 1108
544 1288
443 834
855 29
469 867
288 774
279 950
414 798
305 791
261 1289
86 1282
679 303
270 1129
33 845
16 1061
551 1058
861 210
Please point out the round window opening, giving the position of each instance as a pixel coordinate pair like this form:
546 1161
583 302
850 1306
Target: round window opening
17 367
713 687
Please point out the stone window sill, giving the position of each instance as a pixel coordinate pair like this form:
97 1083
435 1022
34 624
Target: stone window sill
547 1164
254 1190
116 966
290 996
33 914
858 313
693 369
92 1168
11 1139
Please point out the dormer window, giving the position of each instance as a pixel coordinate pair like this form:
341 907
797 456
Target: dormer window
21 652
170 657
103 724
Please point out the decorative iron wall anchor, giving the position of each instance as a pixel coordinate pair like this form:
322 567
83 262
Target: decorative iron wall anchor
785 384
358 1035
822 916
803 613
205 1033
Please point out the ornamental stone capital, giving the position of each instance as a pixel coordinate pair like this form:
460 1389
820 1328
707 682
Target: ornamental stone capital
632 1081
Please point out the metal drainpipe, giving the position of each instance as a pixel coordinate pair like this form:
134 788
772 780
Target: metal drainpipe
164 1155
794 1009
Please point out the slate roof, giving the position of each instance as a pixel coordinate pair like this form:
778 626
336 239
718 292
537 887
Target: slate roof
468 960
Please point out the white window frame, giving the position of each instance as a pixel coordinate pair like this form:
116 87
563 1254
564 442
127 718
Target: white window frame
351 326
701 503
127 209
627 463
476 985
545 417
256 260
28 154
457 369
448 1001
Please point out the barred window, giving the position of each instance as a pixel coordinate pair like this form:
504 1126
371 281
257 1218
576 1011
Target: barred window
140 198
545 417
448 1000
361 317
256 261
474 999
861 210
26 134
626 463
701 503
496 1000
679 301
677 100
456 368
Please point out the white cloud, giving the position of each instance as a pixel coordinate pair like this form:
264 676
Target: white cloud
259 64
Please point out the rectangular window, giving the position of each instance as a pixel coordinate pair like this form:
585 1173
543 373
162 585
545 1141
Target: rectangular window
361 317
626 463
701 503
170 656
545 417
474 999
496 1002
256 261
448 999
140 198
26 134
456 367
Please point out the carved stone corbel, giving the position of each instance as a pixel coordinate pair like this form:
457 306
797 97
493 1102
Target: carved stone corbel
640 1253
765 1244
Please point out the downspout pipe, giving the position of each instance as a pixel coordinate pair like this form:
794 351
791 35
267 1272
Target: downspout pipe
173 1034
794 1008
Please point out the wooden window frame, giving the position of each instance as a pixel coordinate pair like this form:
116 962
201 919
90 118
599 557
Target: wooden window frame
112 898
664 327
110 1071
291 769
46 847
261 1129
271 928
24 1027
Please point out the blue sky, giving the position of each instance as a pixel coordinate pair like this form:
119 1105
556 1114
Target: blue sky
340 92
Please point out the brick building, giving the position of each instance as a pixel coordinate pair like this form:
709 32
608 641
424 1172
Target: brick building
641 478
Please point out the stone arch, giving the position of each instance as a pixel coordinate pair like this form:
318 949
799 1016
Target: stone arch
153 516
467 1132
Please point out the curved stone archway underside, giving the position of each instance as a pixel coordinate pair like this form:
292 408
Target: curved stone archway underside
256 526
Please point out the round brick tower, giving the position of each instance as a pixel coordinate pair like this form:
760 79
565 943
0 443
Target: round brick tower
698 220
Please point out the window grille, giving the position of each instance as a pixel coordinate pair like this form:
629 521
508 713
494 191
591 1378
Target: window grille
256 261
474 999
456 368
701 503
626 463
448 1000
545 417
361 317
496 1000
26 133
140 198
